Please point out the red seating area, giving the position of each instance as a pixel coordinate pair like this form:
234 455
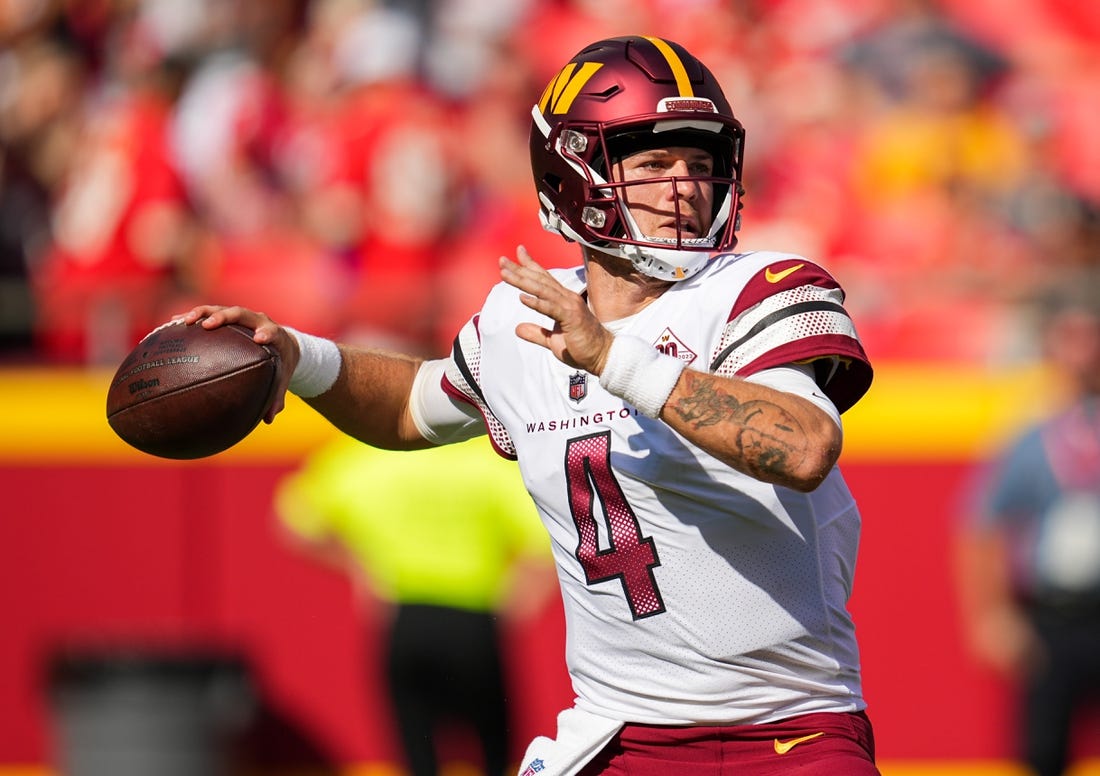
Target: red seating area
354 169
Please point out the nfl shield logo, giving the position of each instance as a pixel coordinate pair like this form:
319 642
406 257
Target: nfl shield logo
578 386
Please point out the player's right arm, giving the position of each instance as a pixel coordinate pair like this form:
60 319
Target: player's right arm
370 399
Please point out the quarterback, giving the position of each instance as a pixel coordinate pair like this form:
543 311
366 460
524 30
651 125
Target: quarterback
675 410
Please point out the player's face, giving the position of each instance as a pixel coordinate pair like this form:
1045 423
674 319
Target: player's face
661 207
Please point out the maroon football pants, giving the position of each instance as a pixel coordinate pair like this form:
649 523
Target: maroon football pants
822 744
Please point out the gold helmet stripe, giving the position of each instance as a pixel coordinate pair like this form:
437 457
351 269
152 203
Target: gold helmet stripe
683 82
565 87
557 83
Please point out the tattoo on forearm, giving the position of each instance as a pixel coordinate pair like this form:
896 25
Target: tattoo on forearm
767 437
704 406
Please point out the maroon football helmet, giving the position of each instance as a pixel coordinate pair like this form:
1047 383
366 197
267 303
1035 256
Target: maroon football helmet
617 97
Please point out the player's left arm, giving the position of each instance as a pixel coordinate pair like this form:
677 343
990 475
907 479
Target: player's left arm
772 435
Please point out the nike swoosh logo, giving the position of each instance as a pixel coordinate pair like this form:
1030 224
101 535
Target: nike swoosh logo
782 747
775 277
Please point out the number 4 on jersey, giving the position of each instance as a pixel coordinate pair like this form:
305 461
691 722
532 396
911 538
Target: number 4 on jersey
630 557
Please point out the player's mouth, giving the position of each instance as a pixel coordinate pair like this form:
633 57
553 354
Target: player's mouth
686 228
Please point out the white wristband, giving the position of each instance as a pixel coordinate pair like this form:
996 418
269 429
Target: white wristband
318 367
637 372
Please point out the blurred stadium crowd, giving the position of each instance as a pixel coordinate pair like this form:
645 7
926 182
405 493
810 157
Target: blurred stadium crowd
354 167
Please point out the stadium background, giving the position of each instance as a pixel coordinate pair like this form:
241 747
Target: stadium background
353 167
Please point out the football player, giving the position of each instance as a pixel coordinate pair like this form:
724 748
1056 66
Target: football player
674 408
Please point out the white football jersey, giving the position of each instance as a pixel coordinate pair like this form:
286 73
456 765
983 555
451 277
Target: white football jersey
693 593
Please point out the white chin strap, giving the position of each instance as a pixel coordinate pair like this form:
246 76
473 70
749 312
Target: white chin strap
661 263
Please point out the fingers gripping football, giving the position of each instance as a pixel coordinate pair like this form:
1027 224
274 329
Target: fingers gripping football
267 332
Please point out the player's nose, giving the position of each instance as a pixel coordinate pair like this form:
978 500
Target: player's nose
682 187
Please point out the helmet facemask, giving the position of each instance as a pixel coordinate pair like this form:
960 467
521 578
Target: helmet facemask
606 223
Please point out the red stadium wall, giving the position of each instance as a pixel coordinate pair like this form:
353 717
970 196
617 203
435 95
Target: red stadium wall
110 552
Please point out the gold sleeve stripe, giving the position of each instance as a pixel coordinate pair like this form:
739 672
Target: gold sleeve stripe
683 82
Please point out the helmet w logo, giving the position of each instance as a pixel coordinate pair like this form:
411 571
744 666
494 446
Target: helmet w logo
560 93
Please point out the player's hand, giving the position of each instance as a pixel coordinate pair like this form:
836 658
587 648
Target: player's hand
267 332
577 338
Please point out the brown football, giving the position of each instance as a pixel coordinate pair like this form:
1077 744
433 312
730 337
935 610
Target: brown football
187 392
